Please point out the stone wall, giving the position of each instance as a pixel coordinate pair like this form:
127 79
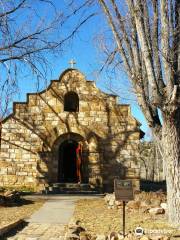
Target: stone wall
32 134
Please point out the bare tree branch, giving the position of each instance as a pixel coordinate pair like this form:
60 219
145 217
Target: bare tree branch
20 5
117 37
165 45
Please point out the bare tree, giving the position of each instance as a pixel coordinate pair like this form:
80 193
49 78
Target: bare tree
147 36
30 33
150 161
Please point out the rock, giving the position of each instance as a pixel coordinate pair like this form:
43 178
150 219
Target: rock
118 203
158 238
166 238
109 197
146 210
130 236
115 236
144 238
155 202
110 207
72 224
75 231
2 200
111 202
133 204
101 237
78 222
78 230
85 236
8 192
145 203
164 206
11 196
72 237
137 192
156 211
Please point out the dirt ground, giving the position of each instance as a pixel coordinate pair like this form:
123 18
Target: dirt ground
98 219
13 213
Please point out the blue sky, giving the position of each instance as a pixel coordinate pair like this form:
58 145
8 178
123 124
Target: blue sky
83 49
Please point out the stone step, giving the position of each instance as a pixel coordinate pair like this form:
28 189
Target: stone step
71 185
69 188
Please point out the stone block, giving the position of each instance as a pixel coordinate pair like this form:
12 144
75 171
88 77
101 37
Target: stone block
4 155
30 179
11 170
3 171
21 173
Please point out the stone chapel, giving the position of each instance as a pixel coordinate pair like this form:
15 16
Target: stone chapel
71 132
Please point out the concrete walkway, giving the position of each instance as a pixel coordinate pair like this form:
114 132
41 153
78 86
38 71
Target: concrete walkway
54 211
49 222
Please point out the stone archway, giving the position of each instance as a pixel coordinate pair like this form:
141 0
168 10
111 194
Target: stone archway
65 160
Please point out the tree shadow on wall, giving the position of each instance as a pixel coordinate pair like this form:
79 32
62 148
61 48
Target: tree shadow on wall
47 126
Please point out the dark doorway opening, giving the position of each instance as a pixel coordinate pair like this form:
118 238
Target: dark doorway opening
67 162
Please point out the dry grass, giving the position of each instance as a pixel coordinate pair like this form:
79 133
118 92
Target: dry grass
98 219
151 196
12 214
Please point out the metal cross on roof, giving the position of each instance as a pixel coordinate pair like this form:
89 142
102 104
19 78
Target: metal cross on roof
72 63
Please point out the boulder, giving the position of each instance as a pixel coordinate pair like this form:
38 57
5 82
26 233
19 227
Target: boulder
135 204
130 236
101 237
78 230
144 238
85 236
160 238
164 206
118 203
2 200
109 197
156 211
72 237
146 203
155 202
75 230
111 202
11 196
115 236
8 193
73 223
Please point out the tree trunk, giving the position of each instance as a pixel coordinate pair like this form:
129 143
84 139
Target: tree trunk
171 149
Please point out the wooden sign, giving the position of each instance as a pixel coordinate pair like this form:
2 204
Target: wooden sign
123 190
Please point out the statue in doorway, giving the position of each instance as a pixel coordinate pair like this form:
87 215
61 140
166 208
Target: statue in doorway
79 161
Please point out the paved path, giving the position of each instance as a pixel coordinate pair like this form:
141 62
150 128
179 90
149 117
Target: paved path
48 223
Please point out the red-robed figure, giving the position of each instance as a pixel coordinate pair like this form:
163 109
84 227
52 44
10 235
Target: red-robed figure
79 161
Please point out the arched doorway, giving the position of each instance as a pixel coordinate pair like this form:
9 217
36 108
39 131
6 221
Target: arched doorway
67 167
64 158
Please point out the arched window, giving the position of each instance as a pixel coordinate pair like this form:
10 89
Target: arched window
71 102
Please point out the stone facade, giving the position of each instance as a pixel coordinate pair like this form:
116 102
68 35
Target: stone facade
32 135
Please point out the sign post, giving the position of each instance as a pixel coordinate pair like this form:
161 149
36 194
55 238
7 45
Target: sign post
124 220
123 192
